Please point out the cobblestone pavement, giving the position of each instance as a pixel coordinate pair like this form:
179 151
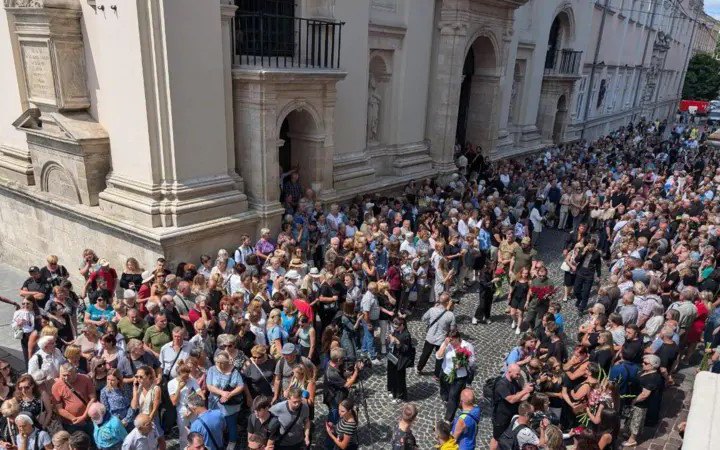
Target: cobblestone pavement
491 343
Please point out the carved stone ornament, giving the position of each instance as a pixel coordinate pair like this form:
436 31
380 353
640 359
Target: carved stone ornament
24 3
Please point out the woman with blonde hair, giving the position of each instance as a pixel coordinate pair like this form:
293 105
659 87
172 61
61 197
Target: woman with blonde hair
88 341
302 380
276 334
259 371
199 284
131 277
74 355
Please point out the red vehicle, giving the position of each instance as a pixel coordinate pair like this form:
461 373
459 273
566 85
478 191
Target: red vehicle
698 107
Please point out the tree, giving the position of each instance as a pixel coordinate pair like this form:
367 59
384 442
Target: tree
702 81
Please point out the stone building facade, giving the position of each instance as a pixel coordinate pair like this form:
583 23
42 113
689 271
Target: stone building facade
707 34
162 127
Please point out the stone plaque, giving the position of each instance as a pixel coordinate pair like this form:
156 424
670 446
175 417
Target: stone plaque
385 5
38 72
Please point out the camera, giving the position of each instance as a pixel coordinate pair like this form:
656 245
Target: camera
537 419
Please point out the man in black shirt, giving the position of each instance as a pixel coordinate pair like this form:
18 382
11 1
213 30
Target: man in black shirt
260 423
632 349
651 384
506 397
337 387
36 287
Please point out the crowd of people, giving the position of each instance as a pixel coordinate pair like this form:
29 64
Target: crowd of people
239 350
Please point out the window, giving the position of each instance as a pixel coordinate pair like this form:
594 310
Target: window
266 27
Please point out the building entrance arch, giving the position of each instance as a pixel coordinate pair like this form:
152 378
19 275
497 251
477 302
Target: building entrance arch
478 105
300 146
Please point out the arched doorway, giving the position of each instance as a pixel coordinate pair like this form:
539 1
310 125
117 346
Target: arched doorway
560 118
468 72
300 146
477 107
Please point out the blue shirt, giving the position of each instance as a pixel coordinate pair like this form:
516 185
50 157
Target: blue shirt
484 239
98 314
560 322
214 422
110 433
117 403
226 382
470 418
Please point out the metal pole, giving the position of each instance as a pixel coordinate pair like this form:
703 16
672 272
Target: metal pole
592 69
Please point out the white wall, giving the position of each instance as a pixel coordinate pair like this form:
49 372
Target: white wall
415 70
116 85
10 107
352 92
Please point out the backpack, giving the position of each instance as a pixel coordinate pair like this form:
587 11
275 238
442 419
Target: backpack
488 390
508 440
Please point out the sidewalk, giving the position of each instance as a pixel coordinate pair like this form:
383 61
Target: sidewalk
11 279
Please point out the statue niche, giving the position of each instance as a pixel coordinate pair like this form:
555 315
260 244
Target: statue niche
379 115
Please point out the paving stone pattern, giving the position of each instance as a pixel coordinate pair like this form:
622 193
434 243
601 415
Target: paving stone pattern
491 343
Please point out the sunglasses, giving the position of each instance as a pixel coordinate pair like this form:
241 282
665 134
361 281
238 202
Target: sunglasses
24 388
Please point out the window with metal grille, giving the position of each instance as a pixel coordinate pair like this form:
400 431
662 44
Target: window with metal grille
266 27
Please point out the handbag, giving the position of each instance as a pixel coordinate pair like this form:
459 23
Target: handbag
235 400
392 358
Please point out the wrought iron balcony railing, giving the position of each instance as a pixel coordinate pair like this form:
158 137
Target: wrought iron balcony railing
278 41
563 62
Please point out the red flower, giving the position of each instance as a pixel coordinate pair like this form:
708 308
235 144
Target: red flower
500 271
542 292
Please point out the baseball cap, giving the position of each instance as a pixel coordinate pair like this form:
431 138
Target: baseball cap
288 349
33 269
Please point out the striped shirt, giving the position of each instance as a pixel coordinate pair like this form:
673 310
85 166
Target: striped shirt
345 428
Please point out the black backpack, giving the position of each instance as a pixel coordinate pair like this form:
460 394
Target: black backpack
489 388
508 440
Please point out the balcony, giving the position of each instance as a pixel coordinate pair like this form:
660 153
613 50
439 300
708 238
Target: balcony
565 62
278 41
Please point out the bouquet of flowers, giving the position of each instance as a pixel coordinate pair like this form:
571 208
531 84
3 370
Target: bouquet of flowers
599 395
542 292
461 359
501 276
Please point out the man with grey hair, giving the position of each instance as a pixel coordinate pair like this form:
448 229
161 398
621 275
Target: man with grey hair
651 384
29 437
184 300
48 358
143 437
108 432
628 310
687 310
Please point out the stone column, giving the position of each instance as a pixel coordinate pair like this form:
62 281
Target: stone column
183 71
227 14
445 94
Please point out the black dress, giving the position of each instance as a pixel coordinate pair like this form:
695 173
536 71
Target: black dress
519 295
396 378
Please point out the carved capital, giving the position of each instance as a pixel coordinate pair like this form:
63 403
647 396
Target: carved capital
453 28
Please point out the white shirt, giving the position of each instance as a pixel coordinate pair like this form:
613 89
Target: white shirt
235 283
408 247
190 387
168 355
50 363
463 229
536 220
448 364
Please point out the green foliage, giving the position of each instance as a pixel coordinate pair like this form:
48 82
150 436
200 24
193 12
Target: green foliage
703 78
